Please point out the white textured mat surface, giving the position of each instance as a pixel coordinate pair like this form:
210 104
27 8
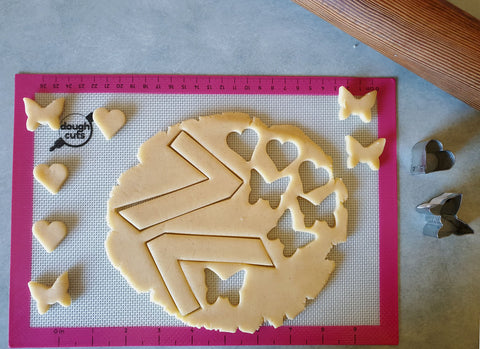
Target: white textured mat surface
101 296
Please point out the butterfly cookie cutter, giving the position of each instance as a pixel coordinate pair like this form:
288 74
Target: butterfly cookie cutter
429 156
441 216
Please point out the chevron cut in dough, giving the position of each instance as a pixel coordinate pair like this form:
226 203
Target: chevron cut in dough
185 208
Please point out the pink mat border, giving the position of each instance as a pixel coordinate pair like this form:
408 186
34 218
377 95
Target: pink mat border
20 332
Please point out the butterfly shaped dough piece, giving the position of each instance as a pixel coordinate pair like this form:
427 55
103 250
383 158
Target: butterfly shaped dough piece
46 296
367 155
349 105
49 115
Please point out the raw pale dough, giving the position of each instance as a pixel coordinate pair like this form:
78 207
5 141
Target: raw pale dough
45 296
368 155
49 115
185 208
349 105
49 234
51 177
109 122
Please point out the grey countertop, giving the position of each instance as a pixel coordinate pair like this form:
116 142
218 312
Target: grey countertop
439 279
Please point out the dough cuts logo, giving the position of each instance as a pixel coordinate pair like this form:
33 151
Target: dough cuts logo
75 131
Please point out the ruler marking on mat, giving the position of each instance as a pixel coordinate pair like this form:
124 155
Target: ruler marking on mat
198 84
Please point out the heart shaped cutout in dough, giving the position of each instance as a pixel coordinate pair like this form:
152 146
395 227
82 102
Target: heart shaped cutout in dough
51 177
244 143
109 122
49 234
282 154
312 177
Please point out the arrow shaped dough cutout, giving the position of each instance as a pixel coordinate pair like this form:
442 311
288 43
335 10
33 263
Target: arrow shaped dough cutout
45 296
367 155
221 184
169 249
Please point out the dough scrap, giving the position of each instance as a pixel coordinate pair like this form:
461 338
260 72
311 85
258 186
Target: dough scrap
349 105
368 155
185 208
49 234
109 122
46 296
51 177
37 115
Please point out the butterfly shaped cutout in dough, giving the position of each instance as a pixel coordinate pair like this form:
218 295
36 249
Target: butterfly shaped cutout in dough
224 286
49 115
368 155
350 105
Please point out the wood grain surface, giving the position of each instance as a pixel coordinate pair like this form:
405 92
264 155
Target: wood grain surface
432 38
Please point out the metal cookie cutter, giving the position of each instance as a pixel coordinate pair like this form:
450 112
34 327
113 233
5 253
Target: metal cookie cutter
441 216
429 156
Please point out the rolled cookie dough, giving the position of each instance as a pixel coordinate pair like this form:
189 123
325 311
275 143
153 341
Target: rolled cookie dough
49 234
51 177
38 115
185 208
368 155
109 122
46 296
349 105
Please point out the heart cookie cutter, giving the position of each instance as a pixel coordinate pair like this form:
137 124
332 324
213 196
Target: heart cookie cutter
429 156
441 216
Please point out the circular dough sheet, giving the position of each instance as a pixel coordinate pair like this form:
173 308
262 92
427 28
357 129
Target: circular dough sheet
185 208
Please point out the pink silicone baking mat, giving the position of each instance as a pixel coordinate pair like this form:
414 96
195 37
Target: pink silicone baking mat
22 333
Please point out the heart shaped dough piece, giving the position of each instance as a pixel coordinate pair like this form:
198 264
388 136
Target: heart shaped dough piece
49 234
109 122
51 177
